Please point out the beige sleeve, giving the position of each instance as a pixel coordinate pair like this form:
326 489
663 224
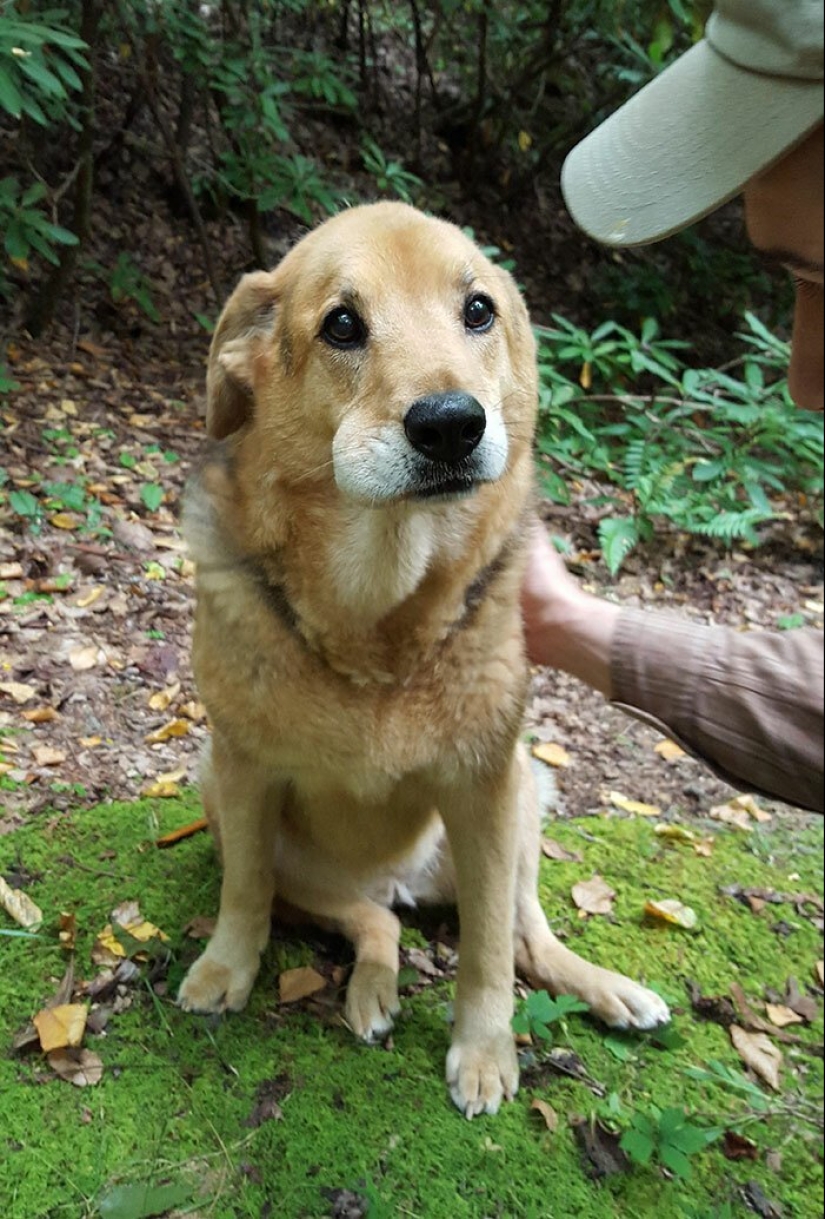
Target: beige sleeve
749 704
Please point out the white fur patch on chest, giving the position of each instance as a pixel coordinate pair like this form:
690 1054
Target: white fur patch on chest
380 559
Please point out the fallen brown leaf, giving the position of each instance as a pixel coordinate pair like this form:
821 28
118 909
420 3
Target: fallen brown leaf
20 906
593 896
737 1147
759 1053
17 690
67 930
781 1016
86 657
740 812
801 1005
554 850
201 927
79 1067
295 984
60 1027
547 1112
45 755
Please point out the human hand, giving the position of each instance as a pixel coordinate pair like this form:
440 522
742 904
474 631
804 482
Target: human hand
564 626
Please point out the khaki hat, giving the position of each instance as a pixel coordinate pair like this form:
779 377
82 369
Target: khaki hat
691 139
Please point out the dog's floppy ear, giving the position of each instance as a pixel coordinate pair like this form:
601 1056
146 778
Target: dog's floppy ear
248 316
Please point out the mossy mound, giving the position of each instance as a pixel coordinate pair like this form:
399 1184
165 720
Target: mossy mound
277 1111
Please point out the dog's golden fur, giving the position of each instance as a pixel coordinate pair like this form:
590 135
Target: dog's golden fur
358 641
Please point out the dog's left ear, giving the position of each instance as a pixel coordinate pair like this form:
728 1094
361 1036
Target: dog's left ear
248 316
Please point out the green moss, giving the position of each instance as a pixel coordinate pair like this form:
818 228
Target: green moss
177 1092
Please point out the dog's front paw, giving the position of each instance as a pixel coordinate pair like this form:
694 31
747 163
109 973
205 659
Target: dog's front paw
372 1000
482 1074
624 1004
216 985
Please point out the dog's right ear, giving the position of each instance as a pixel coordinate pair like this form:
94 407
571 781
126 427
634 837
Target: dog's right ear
248 317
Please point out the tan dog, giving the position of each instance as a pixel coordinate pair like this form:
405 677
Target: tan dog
359 539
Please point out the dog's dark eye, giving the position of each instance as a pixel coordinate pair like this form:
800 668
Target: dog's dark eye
343 328
479 312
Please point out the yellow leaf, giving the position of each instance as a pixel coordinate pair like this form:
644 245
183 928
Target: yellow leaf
669 750
20 906
677 832
552 754
525 141
672 911
160 700
633 806
63 520
586 375
89 598
173 728
41 715
161 790
91 742
295 984
59 1027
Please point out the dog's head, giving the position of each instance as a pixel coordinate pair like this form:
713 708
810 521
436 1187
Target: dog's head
385 355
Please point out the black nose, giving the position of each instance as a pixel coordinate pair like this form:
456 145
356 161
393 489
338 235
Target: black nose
445 427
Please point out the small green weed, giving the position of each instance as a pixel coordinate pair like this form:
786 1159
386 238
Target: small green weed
538 1012
667 1136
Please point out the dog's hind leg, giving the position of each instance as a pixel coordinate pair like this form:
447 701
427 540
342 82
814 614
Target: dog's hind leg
549 965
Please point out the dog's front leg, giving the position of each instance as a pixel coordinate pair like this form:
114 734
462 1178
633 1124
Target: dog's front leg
246 809
481 819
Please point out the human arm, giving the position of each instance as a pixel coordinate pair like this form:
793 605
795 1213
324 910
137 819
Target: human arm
750 704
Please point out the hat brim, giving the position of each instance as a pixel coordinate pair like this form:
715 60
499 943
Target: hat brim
684 145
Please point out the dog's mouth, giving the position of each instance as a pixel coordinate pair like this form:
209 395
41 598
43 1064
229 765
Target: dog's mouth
447 486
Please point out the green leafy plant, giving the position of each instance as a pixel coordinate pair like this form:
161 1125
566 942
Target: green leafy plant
390 176
151 495
128 283
667 1136
538 1012
26 225
7 382
38 65
702 450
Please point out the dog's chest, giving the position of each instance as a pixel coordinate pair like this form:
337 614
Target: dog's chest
286 708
